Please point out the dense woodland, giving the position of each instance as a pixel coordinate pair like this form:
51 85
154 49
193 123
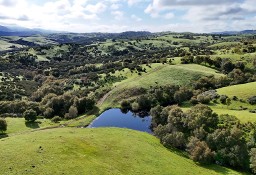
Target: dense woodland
64 80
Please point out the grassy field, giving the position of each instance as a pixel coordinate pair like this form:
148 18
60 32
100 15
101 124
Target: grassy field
105 151
16 125
243 91
158 75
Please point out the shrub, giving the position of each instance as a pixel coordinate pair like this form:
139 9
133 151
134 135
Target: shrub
253 159
30 115
72 113
56 119
135 107
252 100
199 151
48 113
203 99
175 139
3 125
125 105
223 99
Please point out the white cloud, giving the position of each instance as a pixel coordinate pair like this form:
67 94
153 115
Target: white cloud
97 8
136 18
133 2
118 14
169 15
115 6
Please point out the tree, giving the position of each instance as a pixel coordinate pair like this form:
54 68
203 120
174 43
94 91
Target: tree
30 115
182 95
201 116
175 139
228 102
253 159
72 113
199 151
3 125
125 105
230 147
135 107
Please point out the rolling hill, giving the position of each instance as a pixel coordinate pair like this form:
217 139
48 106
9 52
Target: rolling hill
105 151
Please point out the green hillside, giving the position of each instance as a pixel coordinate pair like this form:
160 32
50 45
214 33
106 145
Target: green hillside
242 91
94 151
160 75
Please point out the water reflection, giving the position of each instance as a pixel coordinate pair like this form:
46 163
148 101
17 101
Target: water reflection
123 119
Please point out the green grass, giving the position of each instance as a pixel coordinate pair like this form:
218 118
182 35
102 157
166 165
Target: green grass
158 75
105 151
243 91
16 125
243 116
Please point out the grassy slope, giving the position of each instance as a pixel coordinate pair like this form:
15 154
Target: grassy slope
16 125
242 91
159 75
94 151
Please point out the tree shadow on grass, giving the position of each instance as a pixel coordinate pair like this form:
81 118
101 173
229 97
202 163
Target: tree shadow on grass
3 135
219 169
32 125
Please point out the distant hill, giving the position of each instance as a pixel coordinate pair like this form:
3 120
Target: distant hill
243 32
4 29
21 31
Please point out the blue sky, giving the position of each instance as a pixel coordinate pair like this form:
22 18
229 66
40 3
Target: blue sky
124 15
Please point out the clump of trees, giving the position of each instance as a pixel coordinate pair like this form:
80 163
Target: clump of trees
207 137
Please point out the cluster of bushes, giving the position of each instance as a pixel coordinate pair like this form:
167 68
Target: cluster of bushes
165 95
205 136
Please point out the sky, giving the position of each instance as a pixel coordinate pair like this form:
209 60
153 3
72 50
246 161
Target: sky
130 15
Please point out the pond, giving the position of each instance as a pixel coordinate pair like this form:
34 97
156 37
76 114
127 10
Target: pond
116 118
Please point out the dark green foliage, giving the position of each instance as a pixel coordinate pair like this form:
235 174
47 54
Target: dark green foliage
30 115
223 99
3 125
161 131
201 116
230 146
203 99
252 100
199 151
174 139
253 159
182 95
176 118
84 105
125 105
56 119
72 113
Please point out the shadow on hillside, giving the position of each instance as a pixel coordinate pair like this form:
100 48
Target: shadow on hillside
33 125
218 169
94 111
3 135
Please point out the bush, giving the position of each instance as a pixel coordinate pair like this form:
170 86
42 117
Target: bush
3 125
252 100
30 115
199 151
135 107
48 113
223 99
176 139
72 113
125 105
203 99
56 119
